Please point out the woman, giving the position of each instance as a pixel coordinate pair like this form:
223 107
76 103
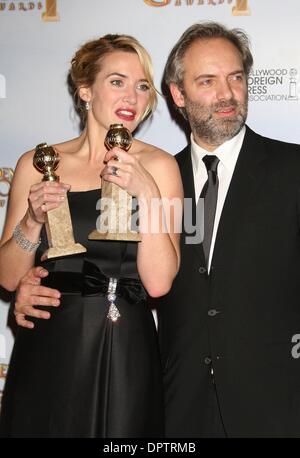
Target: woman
80 374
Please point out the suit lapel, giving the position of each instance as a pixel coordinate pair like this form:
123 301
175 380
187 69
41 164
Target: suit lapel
185 164
247 178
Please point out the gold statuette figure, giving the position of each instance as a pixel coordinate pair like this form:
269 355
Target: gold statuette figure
116 204
58 221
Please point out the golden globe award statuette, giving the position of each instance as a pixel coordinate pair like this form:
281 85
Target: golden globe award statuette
58 221
241 8
115 222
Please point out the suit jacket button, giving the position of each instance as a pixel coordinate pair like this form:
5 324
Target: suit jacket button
212 312
207 360
202 270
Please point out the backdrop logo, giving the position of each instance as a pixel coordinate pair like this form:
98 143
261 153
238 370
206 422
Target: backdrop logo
20 6
157 2
6 175
2 87
50 13
3 367
293 84
241 7
273 84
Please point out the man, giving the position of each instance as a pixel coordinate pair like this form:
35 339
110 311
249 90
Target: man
227 325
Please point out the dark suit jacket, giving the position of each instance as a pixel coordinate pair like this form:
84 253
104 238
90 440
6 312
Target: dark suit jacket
243 315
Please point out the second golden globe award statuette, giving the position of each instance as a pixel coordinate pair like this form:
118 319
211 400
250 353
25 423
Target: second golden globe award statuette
115 222
58 221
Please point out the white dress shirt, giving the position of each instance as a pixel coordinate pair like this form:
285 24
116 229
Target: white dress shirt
228 154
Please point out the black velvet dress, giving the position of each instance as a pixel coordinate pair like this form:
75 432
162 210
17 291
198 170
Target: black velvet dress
79 374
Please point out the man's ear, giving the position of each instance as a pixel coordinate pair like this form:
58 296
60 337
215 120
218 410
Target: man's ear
177 95
85 94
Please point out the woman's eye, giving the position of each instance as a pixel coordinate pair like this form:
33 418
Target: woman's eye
117 83
144 87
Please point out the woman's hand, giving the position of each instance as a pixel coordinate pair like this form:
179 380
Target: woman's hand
125 170
30 293
45 196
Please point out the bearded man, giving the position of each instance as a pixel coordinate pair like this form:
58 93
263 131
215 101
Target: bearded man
227 326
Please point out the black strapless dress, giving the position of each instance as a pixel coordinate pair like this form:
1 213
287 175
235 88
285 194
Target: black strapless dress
79 374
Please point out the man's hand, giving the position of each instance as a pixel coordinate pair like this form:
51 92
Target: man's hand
30 293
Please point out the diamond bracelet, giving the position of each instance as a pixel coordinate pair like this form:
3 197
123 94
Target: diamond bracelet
22 241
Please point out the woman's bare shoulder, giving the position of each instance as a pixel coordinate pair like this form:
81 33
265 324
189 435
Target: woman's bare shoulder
25 173
153 153
26 159
68 146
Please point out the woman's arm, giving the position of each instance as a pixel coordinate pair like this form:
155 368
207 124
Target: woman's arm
161 211
27 206
155 180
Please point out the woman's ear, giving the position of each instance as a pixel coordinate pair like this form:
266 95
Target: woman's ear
85 94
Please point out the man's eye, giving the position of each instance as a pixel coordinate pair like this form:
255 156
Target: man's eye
205 82
238 77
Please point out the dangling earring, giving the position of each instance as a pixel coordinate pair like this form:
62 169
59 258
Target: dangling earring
87 106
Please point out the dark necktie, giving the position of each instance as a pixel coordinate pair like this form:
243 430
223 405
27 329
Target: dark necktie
210 195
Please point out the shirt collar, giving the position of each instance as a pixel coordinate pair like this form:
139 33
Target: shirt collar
228 152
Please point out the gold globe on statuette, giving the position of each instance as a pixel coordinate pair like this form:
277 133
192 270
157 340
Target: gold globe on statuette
58 221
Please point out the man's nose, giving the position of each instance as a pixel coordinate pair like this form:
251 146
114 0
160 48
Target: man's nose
224 91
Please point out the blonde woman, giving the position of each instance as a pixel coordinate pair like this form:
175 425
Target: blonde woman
78 374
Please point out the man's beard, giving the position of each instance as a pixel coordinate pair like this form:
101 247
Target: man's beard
215 131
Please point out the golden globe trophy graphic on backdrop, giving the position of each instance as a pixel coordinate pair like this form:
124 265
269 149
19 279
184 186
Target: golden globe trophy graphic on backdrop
6 175
293 84
115 222
3 370
58 221
241 8
51 13
157 2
